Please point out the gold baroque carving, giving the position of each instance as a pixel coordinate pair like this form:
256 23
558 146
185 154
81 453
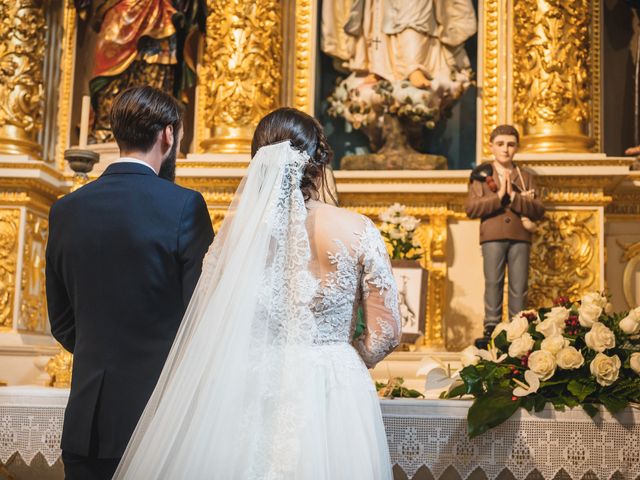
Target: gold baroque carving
33 308
22 45
60 368
66 81
434 335
552 77
565 256
241 69
303 56
9 233
590 197
490 72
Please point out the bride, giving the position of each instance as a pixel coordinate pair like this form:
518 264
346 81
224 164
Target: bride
265 379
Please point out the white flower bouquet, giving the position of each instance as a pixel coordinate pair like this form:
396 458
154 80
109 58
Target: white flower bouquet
398 229
572 354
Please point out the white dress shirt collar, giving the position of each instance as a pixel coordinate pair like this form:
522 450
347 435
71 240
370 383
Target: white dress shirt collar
134 160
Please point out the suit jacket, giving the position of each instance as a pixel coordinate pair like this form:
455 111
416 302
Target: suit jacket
500 219
123 258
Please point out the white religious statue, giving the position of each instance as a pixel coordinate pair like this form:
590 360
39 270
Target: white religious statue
399 39
406 58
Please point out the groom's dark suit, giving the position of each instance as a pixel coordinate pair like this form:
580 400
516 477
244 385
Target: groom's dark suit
123 257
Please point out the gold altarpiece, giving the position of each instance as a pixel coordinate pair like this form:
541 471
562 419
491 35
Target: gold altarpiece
539 67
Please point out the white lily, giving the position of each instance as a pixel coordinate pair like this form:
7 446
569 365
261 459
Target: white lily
522 390
491 354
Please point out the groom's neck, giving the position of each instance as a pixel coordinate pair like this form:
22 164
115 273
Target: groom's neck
153 158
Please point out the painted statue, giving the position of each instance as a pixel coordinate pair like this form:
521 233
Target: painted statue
152 42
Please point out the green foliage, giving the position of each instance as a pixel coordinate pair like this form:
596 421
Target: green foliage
490 410
492 384
394 389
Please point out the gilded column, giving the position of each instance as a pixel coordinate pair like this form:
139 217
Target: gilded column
22 46
241 74
555 74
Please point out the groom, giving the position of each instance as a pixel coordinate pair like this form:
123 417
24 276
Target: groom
123 258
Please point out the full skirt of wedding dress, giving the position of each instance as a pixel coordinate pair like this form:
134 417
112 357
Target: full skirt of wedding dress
333 430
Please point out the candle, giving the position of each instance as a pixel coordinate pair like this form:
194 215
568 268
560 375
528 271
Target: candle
84 121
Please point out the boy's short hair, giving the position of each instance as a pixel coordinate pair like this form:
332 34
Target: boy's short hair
504 130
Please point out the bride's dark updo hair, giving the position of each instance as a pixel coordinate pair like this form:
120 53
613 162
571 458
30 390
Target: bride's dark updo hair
306 134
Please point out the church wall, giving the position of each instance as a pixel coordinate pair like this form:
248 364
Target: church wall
465 285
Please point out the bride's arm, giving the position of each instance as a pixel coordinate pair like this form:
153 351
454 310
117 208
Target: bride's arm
379 301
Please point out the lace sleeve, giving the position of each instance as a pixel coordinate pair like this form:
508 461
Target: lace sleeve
379 299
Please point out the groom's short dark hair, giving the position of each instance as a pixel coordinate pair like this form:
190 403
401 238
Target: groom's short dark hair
139 113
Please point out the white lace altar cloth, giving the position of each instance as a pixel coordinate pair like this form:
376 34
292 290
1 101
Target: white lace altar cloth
433 433
31 422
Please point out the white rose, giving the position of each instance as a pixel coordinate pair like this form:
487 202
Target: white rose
469 356
501 327
542 363
606 369
635 362
569 358
385 217
600 338
549 328
594 298
396 234
558 315
517 328
554 344
608 308
410 223
521 346
588 314
631 323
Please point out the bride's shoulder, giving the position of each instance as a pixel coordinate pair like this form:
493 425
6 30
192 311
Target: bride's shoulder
341 218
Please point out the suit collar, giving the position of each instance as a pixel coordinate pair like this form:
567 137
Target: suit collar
128 168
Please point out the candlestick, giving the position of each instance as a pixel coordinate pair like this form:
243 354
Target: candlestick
84 121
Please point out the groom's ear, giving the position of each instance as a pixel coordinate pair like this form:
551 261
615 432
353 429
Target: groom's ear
168 136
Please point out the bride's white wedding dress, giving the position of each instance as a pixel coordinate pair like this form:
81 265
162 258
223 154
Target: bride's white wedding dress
264 380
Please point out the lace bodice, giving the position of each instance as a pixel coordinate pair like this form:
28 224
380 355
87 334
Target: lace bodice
356 272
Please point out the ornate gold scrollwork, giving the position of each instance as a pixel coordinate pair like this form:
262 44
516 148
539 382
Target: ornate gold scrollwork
552 74
303 56
33 308
9 232
241 70
630 256
22 45
490 71
565 256
60 368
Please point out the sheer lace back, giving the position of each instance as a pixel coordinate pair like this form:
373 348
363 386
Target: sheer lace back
350 259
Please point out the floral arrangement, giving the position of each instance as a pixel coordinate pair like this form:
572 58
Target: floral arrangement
394 389
572 354
362 103
398 229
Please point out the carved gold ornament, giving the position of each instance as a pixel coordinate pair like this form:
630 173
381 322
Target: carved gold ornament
241 70
33 307
565 256
490 71
22 46
60 368
9 231
552 74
